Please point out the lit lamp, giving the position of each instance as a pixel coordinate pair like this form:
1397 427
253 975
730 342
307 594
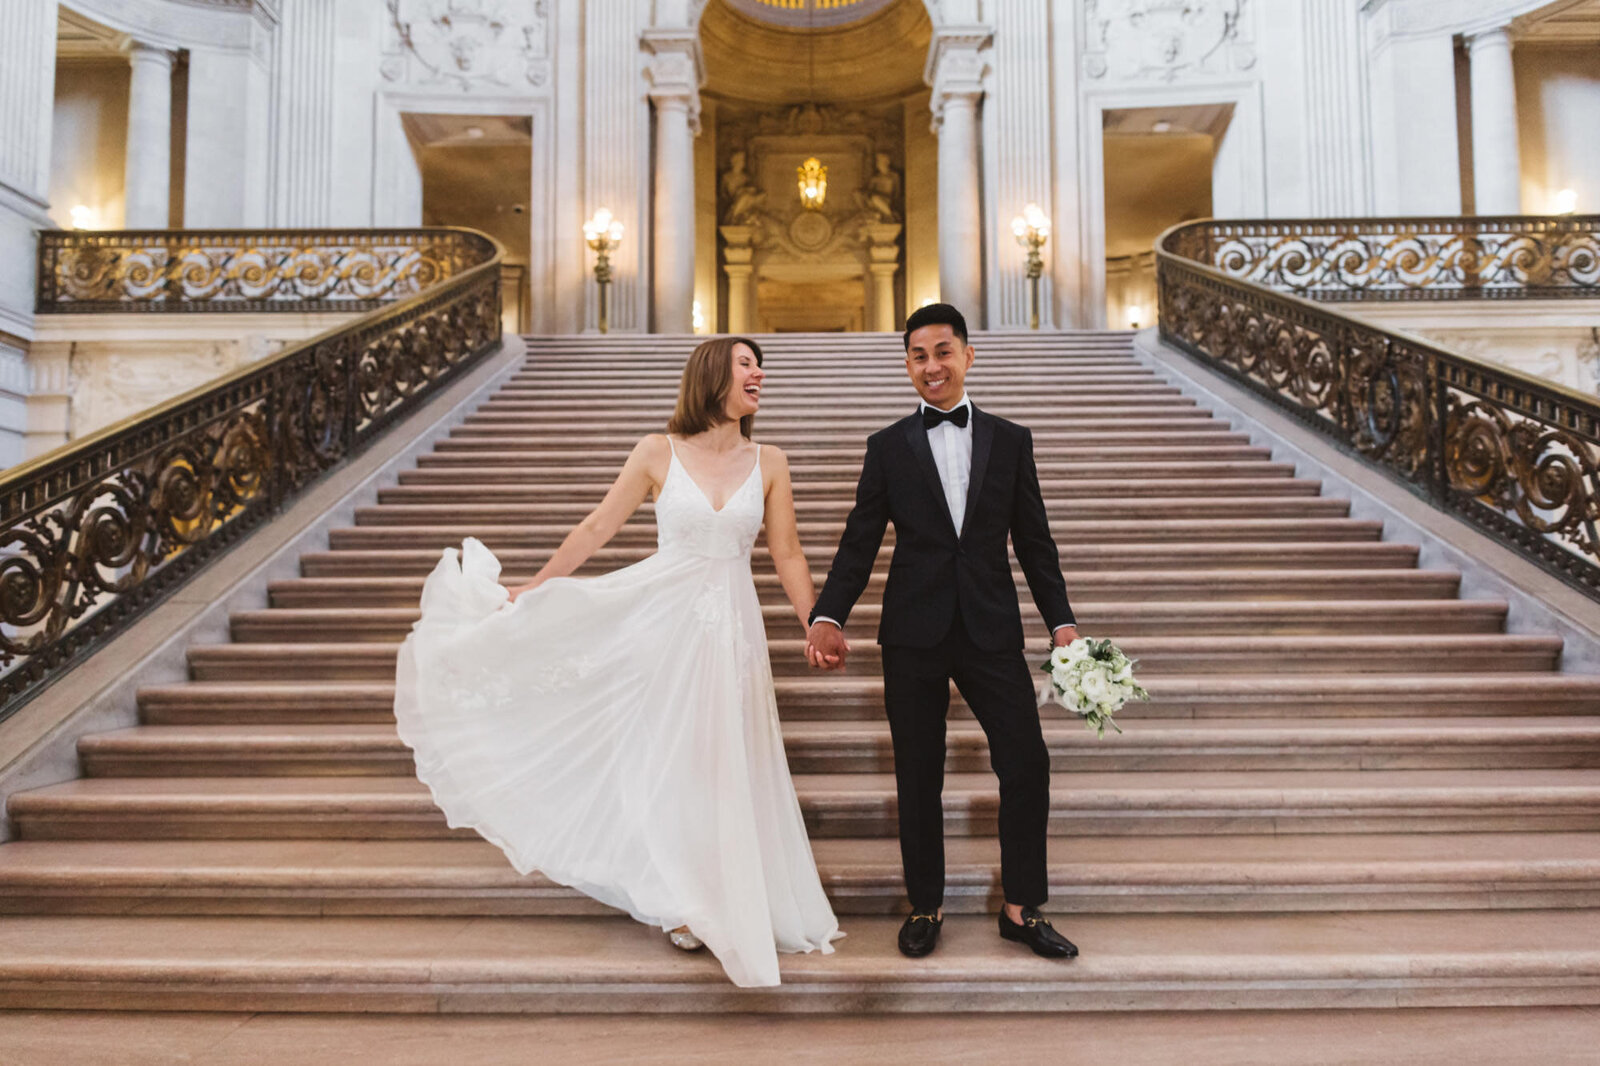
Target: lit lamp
1135 315
1032 229
1566 202
84 217
603 233
813 183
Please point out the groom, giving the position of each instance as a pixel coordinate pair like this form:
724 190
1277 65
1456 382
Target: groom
955 481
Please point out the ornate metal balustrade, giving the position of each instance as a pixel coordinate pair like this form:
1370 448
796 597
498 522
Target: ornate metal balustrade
1512 454
243 270
1406 258
95 533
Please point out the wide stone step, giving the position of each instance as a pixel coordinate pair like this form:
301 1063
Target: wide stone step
860 804
1156 655
381 530
1211 874
815 747
852 696
1148 586
796 432
866 390
538 965
511 485
522 563
790 397
1114 620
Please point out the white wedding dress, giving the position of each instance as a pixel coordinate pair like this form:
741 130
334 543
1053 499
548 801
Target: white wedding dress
619 733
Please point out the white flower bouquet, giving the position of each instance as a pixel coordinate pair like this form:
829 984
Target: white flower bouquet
1091 678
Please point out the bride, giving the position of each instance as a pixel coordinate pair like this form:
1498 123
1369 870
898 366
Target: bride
619 733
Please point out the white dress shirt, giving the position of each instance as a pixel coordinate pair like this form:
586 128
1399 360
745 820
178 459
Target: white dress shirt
952 457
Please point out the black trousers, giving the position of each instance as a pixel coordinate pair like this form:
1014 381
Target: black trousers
1001 691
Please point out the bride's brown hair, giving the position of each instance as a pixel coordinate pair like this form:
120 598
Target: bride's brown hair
703 392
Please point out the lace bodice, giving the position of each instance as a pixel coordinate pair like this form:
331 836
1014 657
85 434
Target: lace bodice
685 522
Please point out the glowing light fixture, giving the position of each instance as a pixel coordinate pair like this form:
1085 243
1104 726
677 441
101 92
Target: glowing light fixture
1135 315
1566 202
1032 229
604 233
813 183
698 318
84 217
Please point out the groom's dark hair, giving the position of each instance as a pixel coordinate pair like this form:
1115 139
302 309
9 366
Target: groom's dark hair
935 315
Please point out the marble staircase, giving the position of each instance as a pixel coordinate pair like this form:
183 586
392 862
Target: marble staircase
1352 788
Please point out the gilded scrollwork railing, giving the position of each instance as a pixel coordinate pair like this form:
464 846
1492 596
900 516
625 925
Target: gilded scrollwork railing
96 532
242 270
1516 456
1407 258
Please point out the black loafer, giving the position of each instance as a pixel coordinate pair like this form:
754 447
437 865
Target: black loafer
1037 933
920 934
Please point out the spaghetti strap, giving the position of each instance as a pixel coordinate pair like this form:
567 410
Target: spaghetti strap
673 447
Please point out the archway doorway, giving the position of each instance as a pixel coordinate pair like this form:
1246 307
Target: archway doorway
1159 164
476 171
835 83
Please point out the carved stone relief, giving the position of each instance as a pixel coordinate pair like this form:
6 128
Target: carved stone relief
1165 40
468 44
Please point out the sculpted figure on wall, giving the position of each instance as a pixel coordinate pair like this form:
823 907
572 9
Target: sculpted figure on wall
743 199
881 197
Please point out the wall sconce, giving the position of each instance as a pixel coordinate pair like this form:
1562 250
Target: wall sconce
1032 229
84 217
604 233
1566 202
697 318
1135 315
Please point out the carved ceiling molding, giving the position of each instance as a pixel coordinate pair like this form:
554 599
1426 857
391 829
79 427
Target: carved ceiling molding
1165 40
467 44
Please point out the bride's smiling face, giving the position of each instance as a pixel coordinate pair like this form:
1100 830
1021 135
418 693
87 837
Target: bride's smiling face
744 391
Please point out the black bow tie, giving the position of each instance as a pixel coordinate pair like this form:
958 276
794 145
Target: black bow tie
932 416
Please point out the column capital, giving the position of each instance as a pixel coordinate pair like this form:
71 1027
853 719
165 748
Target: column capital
1489 37
675 71
144 52
957 62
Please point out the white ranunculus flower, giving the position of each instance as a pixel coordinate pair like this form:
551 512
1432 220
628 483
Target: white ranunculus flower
1078 651
1060 656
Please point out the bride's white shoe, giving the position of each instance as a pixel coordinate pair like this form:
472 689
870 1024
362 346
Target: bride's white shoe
684 940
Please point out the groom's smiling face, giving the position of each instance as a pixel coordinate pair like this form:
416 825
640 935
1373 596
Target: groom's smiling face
937 361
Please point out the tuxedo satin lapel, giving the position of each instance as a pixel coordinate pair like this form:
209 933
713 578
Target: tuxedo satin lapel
982 443
917 437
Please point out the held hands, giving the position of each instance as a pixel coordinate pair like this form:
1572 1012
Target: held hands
826 648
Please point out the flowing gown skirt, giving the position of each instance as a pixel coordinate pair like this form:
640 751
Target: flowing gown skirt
619 735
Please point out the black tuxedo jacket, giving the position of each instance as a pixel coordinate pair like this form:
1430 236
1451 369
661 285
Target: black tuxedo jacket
933 571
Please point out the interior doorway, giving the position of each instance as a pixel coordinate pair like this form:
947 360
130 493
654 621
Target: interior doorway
1160 166
477 171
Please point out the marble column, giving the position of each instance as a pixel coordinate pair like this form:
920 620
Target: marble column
674 77
956 69
738 263
883 255
1496 155
149 157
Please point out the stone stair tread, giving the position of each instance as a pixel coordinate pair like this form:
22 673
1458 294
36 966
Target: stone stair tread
433 964
848 683
98 865
1155 732
1069 788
